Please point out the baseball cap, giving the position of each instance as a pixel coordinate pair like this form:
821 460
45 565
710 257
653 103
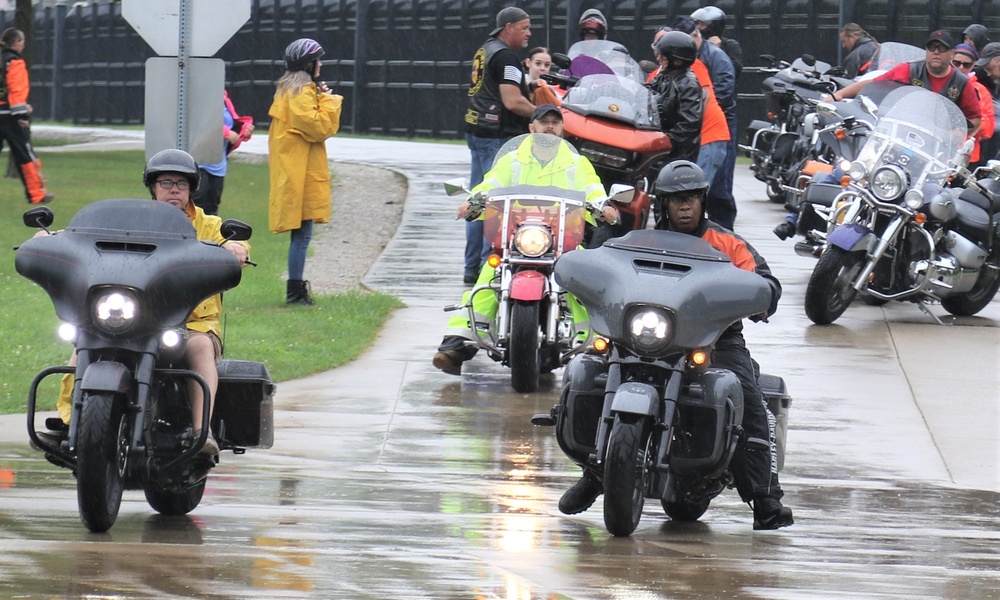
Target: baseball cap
511 14
990 51
545 109
942 37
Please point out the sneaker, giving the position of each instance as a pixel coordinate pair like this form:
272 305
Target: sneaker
449 361
45 199
768 513
785 230
580 497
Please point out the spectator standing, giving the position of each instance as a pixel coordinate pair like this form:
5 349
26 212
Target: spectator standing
235 131
977 36
498 110
861 48
538 63
303 115
712 24
964 60
15 115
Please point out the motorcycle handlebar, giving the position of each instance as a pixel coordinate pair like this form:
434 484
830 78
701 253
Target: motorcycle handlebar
564 81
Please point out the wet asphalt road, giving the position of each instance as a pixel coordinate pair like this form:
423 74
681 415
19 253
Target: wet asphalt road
389 479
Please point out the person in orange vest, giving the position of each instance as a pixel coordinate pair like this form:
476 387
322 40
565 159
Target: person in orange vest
15 114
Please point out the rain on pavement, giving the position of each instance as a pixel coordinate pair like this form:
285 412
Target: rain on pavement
389 479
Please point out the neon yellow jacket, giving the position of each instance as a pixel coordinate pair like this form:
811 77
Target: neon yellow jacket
300 174
568 170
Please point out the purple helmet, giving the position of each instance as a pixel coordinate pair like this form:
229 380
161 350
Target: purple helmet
301 53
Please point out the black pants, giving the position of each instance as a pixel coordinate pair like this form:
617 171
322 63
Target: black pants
209 193
754 468
18 138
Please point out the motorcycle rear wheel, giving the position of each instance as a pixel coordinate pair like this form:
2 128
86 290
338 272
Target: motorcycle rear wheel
168 502
685 511
103 442
976 299
829 292
523 349
625 471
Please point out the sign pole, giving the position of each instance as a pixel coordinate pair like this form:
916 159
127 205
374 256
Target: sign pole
183 60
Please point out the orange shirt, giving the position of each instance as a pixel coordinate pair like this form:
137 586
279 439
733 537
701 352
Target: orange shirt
713 123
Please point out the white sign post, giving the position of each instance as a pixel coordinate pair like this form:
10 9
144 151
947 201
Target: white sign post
185 31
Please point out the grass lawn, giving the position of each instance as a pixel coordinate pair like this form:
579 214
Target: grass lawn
291 341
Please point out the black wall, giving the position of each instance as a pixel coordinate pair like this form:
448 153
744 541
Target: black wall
403 66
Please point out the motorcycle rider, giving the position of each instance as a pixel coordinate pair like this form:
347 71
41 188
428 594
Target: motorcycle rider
712 24
541 164
935 73
593 25
681 102
171 176
681 188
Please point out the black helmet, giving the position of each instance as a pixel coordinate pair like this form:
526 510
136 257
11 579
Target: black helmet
713 18
593 21
680 176
301 53
171 161
678 47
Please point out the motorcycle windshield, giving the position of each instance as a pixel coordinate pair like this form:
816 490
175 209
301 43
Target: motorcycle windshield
890 54
918 131
547 162
616 98
682 274
584 54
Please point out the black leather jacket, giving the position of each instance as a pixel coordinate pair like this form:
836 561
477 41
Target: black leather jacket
682 105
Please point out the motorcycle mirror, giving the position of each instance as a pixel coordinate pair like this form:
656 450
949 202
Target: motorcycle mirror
994 165
561 60
826 109
869 106
809 59
622 193
769 59
455 187
237 231
39 218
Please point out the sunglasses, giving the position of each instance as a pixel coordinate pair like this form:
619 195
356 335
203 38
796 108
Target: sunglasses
961 64
937 49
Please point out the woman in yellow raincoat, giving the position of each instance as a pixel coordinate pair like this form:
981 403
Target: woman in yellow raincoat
303 115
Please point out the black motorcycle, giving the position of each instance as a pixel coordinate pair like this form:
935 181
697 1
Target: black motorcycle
649 415
124 276
780 145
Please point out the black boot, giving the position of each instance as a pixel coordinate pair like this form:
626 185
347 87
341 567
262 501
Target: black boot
297 292
581 496
768 513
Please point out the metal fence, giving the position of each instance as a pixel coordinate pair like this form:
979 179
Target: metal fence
403 66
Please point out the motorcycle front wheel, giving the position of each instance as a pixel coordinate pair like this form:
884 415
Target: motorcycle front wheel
103 442
523 348
169 502
830 292
625 471
976 299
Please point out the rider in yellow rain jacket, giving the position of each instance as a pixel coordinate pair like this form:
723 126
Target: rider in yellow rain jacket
567 170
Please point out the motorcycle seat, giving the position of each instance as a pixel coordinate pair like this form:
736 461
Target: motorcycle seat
822 194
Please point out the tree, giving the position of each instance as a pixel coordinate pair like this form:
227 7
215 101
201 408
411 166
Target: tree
24 19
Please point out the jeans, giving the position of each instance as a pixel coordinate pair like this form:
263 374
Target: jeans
483 150
710 159
722 204
297 250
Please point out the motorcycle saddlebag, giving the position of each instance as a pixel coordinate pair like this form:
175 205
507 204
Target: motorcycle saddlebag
581 405
244 405
779 403
704 417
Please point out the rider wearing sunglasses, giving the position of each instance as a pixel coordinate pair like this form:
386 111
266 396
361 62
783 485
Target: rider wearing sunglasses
965 57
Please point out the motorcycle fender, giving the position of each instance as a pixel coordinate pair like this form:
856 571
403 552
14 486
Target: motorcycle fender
637 399
107 376
528 286
851 237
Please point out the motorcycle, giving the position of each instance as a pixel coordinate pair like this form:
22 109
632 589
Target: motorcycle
610 117
124 276
779 146
907 236
529 227
646 412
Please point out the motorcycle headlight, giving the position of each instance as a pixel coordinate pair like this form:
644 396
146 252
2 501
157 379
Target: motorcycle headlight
115 311
888 183
649 330
532 240
857 171
913 199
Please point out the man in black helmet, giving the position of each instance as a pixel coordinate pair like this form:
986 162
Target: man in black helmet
498 110
681 101
712 24
680 190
